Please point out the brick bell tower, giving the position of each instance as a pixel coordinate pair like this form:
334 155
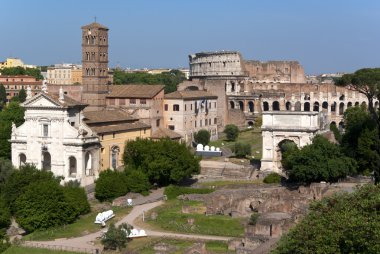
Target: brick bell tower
94 65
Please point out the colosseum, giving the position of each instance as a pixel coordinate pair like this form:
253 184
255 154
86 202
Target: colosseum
246 88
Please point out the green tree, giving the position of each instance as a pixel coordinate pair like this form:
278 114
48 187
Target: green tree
336 132
3 96
164 161
6 169
241 150
343 223
22 95
116 238
12 71
5 214
77 198
138 182
110 184
319 161
231 131
202 137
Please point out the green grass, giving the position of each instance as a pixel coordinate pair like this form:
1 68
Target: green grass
173 191
251 136
84 225
226 183
170 218
146 246
27 250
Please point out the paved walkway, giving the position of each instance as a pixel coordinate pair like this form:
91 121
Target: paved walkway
87 241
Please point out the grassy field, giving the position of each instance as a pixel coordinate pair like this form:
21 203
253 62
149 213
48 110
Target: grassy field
145 246
26 250
171 218
82 226
251 136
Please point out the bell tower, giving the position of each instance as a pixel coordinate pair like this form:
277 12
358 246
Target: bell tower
94 65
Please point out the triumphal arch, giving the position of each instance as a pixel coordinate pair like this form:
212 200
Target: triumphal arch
299 127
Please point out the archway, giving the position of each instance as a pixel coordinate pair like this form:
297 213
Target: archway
115 157
341 126
88 164
284 147
72 166
250 123
325 105
46 161
265 106
251 106
22 159
316 106
349 104
276 106
332 123
297 106
232 104
241 105
341 108
306 106
288 106
333 106
357 104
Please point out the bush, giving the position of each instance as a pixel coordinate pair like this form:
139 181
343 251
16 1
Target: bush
116 238
202 137
272 178
110 185
173 191
253 219
242 149
337 135
5 215
231 131
77 198
138 182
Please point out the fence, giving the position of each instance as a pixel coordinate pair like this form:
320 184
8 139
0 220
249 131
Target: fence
61 247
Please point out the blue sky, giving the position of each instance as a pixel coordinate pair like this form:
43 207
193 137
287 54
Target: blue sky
323 35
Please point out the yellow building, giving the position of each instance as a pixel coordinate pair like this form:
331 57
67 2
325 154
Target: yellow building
15 62
76 75
115 128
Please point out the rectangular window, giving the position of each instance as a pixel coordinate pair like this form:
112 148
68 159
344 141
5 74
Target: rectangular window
112 101
185 107
209 121
171 127
158 123
132 101
191 106
175 107
142 101
46 130
209 104
206 122
195 123
122 102
166 107
214 120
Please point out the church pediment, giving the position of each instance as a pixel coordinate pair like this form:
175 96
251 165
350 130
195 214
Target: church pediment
41 100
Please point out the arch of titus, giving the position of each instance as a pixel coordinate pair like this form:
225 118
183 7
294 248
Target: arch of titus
299 127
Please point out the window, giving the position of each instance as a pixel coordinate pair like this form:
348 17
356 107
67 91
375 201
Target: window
72 166
195 123
206 122
132 101
214 120
166 107
185 107
45 130
158 123
175 107
171 127
191 106
112 101
142 101
121 101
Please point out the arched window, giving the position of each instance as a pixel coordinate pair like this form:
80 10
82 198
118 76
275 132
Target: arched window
232 87
341 108
251 106
241 105
46 161
115 157
265 106
276 106
341 126
306 106
333 106
72 166
288 106
325 105
232 104
250 123
357 104
22 158
316 106
88 164
297 106
349 104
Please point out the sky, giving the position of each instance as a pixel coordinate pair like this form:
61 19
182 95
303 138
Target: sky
325 36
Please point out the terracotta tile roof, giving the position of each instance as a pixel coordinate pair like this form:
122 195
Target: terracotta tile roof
120 127
165 133
95 25
67 101
135 91
103 116
187 95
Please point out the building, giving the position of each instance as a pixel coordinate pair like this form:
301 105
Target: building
55 138
95 65
142 101
187 112
13 84
64 74
115 128
15 62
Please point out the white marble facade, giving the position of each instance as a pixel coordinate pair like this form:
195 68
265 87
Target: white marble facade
53 137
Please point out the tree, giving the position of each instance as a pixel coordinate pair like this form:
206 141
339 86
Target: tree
202 137
12 71
116 238
319 161
242 149
164 161
77 198
110 184
22 95
3 96
6 169
343 223
138 182
231 131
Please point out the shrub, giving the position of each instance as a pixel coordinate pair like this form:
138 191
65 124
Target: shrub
253 219
231 131
272 178
77 198
138 182
5 215
242 149
115 238
202 137
173 191
110 185
337 135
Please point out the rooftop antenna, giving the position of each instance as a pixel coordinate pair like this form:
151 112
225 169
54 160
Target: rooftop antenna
95 19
